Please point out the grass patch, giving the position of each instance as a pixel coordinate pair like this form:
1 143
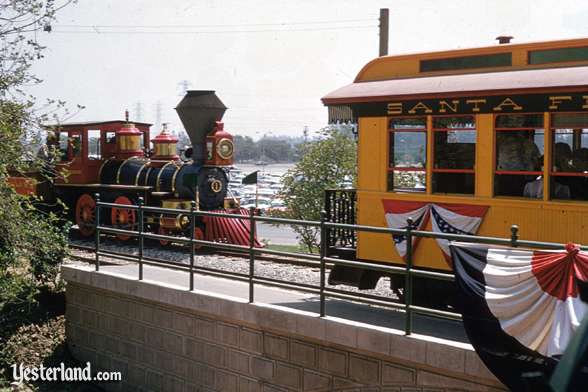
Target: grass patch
290 248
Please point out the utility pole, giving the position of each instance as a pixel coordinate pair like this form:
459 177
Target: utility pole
384 31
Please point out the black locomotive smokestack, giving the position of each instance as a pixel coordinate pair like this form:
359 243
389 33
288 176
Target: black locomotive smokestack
198 110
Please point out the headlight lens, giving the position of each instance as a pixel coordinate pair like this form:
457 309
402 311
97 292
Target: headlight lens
225 148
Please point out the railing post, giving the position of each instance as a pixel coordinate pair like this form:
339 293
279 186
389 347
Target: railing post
141 238
408 278
192 230
514 235
97 231
251 252
323 253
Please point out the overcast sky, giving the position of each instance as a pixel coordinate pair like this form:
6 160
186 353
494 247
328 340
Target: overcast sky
270 61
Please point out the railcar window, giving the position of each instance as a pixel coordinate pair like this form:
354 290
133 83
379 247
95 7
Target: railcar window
467 62
569 169
94 144
519 152
407 154
454 153
558 55
63 143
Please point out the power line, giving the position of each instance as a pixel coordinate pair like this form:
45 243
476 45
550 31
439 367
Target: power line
98 32
223 25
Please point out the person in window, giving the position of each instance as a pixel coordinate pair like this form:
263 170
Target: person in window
517 152
47 151
534 190
580 160
562 157
579 184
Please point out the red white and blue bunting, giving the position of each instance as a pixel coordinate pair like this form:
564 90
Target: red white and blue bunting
520 307
447 218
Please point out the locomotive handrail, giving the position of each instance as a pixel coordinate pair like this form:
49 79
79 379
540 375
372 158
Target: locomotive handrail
321 260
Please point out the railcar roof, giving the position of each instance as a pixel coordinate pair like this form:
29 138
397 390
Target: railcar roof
491 83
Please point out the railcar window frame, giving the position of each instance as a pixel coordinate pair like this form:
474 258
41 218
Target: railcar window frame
437 172
392 168
515 175
569 183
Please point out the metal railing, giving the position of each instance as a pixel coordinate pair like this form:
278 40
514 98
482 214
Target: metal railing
321 260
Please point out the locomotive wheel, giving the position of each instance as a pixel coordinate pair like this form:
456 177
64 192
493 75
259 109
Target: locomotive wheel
86 214
123 218
163 231
198 235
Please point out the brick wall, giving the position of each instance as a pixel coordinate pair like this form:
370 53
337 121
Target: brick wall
168 339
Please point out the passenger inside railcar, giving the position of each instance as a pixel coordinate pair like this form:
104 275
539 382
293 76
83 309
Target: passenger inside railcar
519 147
570 153
517 152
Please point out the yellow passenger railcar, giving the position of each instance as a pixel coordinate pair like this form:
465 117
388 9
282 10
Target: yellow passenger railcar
471 141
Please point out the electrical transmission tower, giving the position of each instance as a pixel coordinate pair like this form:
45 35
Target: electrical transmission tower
158 115
138 111
184 87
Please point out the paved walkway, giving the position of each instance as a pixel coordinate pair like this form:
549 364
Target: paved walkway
424 325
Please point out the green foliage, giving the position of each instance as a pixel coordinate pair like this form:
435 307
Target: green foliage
268 148
325 163
33 241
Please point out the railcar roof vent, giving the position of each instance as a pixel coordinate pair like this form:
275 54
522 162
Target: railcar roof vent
504 39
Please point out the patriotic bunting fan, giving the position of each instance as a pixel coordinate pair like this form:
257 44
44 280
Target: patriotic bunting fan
447 218
520 307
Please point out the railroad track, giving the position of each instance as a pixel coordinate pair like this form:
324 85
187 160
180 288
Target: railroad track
177 249
222 264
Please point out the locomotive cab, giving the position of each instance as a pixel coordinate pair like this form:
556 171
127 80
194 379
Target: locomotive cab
81 148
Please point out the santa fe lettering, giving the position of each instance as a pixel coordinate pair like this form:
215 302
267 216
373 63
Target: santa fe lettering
487 105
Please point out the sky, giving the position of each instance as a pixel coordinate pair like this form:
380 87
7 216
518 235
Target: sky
269 61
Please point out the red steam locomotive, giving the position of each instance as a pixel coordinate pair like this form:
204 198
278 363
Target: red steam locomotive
113 159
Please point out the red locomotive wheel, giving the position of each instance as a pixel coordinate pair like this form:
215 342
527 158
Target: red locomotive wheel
86 215
123 218
198 235
163 231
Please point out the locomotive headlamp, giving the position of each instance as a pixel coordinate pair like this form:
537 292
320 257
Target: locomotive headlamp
225 148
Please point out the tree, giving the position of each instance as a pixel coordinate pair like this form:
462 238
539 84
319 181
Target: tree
33 241
245 148
324 164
